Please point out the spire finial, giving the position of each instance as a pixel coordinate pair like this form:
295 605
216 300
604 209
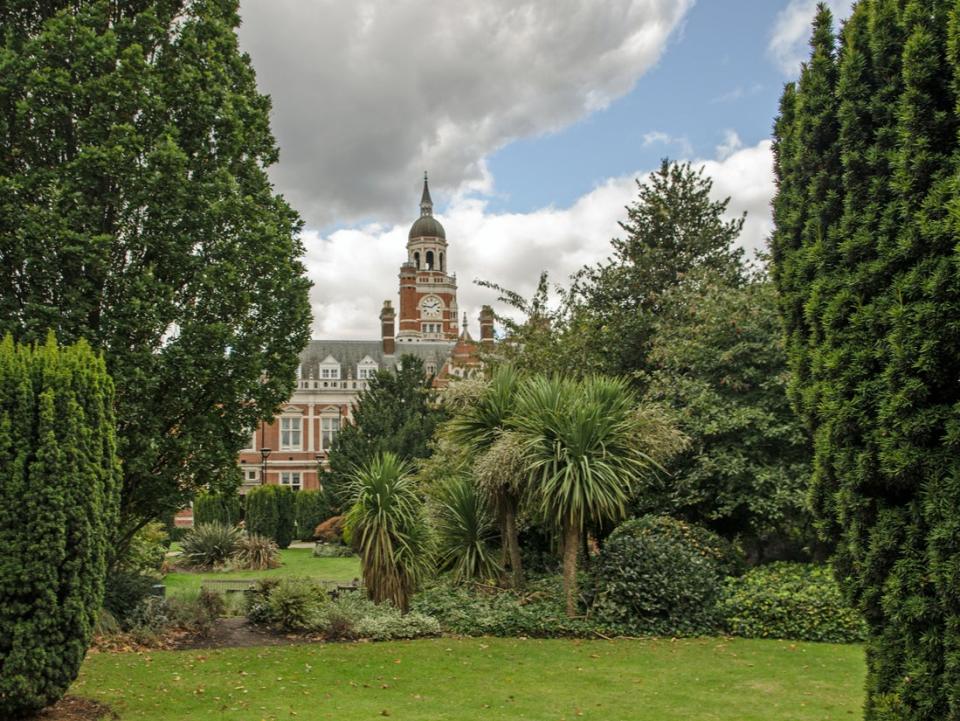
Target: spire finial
464 321
426 203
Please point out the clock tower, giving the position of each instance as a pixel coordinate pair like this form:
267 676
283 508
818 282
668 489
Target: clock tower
428 293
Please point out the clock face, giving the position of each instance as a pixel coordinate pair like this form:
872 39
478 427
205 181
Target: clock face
431 307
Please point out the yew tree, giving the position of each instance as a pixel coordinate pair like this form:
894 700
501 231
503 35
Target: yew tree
136 212
865 254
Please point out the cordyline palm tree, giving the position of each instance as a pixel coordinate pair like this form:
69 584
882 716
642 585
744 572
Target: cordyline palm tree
584 447
481 425
386 525
464 531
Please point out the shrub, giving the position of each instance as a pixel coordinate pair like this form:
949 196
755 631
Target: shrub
290 604
222 508
125 591
210 545
465 531
147 551
286 515
256 553
59 490
261 518
352 616
658 575
311 508
332 550
539 612
198 615
331 530
796 601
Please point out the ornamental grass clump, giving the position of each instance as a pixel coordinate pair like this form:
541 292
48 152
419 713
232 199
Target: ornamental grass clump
210 545
256 553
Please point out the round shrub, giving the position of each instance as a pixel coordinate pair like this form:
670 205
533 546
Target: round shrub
59 493
658 575
292 604
210 545
797 601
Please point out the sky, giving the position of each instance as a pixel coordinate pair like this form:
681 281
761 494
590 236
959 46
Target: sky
534 118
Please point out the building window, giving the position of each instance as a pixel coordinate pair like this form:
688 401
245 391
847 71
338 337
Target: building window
329 427
251 475
366 372
290 434
330 373
252 445
290 478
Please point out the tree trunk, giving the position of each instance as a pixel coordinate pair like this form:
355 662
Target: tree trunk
513 542
571 545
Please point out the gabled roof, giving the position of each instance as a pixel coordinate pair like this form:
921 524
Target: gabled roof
351 353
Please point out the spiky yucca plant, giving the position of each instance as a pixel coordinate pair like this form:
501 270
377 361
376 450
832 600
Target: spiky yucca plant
256 553
387 527
465 531
208 545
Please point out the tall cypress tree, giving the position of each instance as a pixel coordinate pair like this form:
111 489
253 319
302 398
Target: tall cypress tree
878 379
59 488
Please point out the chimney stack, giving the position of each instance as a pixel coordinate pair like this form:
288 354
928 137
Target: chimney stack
486 325
387 331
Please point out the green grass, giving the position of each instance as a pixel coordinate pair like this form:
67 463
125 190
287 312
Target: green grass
489 679
295 562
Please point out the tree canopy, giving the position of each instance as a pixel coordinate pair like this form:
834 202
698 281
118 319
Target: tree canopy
136 212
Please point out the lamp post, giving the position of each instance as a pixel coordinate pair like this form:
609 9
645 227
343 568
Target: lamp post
264 454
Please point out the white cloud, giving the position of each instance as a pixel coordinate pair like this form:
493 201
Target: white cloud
731 144
658 137
355 270
369 93
791 32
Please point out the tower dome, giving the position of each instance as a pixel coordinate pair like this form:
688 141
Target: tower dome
426 226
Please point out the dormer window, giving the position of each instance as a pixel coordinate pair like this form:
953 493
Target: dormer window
366 368
329 368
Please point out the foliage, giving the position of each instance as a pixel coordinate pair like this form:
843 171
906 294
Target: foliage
224 507
672 228
311 509
538 612
262 516
210 545
156 616
865 260
796 601
387 526
658 575
59 488
290 604
284 497
125 591
146 552
331 530
351 616
332 550
256 553
393 414
500 468
717 358
586 450
136 212
464 531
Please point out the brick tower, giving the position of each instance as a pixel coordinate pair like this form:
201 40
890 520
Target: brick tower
428 294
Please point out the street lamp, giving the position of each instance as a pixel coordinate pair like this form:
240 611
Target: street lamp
264 454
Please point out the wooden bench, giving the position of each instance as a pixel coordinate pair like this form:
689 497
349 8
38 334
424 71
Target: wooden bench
246 585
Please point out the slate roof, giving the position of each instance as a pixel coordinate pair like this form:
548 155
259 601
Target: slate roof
350 352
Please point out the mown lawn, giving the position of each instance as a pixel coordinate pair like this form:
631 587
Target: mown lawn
465 679
295 562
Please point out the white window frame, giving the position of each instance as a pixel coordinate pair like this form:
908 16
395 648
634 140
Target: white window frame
329 428
251 475
292 479
291 433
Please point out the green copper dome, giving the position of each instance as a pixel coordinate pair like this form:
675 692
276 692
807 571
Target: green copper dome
426 226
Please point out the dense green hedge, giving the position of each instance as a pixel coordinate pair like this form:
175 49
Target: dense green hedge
225 508
59 491
797 601
658 575
270 513
311 509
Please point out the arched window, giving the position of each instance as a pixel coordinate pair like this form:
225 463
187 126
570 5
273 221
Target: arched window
416 259
441 262
429 260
